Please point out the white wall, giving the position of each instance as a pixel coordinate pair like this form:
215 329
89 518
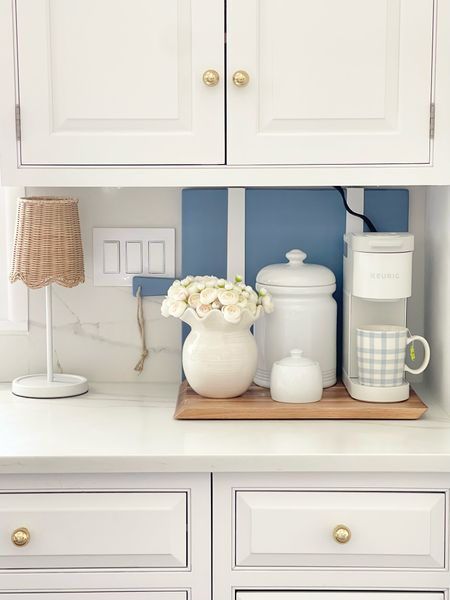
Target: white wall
96 334
437 293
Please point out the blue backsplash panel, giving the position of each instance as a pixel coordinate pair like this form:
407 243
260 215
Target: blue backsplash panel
204 217
388 209
278 220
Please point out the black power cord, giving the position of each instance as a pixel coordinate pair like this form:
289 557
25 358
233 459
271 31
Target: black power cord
366 220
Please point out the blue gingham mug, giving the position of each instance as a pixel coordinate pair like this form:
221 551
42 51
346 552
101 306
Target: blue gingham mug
381 351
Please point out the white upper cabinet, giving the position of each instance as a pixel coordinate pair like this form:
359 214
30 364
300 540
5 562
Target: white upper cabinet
120 82
330 82
115 92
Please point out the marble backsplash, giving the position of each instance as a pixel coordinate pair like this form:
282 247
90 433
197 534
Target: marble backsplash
95 328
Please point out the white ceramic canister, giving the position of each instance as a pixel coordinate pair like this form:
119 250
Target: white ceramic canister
304 316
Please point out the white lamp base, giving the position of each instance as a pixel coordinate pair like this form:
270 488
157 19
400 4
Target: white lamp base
62 386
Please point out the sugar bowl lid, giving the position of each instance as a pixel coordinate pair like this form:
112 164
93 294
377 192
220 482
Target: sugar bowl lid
296 273
296 359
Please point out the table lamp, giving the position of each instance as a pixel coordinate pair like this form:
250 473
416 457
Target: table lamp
47 250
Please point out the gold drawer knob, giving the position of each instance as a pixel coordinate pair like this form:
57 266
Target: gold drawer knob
342 534
241 78
20 536
211 78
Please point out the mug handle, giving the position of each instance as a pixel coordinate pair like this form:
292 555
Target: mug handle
426 359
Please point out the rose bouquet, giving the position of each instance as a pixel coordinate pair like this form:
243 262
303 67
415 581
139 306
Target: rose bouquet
204 294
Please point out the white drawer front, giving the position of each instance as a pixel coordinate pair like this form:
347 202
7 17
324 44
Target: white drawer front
295 529
136 529
338 596
159 595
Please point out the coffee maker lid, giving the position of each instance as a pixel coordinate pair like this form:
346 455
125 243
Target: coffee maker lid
296 273
389 242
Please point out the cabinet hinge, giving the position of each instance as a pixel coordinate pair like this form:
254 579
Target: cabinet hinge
432 120
18 128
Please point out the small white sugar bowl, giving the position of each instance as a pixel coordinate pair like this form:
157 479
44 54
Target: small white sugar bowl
296 379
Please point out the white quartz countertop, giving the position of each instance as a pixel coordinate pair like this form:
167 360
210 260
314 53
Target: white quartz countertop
130 428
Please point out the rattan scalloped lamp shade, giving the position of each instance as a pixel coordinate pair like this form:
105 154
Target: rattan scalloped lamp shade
47 246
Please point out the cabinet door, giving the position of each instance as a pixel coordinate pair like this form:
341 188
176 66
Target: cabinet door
338 596
331 81
158 595
119 82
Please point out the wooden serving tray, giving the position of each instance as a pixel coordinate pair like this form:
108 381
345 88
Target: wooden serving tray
256 403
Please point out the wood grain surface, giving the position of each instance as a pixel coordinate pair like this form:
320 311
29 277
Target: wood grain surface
256 403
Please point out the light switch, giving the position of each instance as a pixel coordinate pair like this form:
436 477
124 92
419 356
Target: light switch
111 257
133 252
156 258
120 253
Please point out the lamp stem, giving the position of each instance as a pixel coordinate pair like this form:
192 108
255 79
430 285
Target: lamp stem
49 331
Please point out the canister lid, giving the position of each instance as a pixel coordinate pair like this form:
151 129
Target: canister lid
296 359
296 273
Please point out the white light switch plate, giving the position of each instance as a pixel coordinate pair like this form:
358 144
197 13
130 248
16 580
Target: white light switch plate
121 253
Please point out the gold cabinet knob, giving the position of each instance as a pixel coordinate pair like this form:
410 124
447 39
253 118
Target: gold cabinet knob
20 536
211 78
241 78
342 534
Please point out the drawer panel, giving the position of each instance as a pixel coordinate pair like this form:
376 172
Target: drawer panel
158 595
296 529
338 596
95 530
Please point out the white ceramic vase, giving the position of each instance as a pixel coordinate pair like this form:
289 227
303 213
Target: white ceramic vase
219 358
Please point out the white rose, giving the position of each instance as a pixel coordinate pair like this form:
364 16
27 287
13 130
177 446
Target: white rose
187 280
216 304
177 308
203 310
221 283
242 301
165 307
194 300
208 295
210 281
192 288
179 293
231 313
267 304
201 286
228 286
173 289
227 297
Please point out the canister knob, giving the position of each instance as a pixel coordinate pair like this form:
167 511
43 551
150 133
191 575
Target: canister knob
296 257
